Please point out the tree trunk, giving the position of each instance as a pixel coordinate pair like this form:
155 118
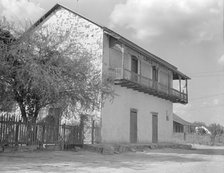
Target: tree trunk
36 112
29 116
31 125
23 112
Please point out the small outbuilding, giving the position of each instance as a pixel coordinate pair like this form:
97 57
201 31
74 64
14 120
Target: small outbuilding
180 125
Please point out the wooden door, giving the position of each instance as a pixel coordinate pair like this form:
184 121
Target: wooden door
134 69
133 127
155 77
154 128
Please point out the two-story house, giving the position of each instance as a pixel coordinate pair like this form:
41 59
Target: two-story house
142 110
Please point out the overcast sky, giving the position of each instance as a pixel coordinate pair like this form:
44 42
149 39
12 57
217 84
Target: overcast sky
186 33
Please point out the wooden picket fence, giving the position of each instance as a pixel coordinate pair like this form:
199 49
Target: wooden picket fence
14 132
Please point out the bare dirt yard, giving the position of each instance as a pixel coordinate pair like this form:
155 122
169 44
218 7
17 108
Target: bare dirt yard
203 159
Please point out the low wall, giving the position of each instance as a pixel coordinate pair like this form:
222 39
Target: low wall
197 139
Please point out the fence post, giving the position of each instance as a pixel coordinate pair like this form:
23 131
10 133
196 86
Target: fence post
17 134
35 134
63 128
81 129
43 133
184 136
93 126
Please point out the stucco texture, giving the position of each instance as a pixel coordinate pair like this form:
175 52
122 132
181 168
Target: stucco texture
116 117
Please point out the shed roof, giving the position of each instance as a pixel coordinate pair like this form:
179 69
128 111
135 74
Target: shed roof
179 120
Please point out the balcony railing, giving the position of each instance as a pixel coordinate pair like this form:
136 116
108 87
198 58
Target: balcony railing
138 82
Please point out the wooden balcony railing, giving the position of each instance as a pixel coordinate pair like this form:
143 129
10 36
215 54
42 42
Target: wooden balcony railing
138 82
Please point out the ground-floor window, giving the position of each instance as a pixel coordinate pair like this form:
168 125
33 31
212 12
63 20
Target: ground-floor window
178 128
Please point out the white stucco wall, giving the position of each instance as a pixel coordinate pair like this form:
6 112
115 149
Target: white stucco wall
85 35
116 117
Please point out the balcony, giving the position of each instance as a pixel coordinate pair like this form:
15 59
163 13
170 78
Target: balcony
129 79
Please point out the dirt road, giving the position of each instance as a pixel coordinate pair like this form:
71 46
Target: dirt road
163 161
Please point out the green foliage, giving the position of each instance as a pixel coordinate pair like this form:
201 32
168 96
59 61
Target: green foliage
42 68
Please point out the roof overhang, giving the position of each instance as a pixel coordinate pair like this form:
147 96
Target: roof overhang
176 74
138 48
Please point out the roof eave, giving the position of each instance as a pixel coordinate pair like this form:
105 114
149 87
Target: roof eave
152 56
135 46
182 76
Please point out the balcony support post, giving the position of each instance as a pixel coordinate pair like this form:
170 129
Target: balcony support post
186 89
140 70
180 85
169 82
122 60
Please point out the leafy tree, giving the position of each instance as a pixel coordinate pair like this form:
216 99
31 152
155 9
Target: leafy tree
216 130
198 124
43 68
7 104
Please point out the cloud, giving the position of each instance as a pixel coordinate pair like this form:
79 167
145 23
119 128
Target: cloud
182 109
215 101
20 10
221 60
184 19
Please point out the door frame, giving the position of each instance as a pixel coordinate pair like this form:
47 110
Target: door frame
155 128
131 128
134 58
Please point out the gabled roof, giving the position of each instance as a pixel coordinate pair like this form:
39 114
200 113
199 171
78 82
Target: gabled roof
120 38
179 120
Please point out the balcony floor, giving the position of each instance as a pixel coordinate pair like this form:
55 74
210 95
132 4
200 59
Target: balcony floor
151 91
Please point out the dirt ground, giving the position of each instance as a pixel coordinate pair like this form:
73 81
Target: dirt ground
203 159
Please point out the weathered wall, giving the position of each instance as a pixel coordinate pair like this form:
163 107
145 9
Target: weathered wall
86 35
144 67
163 76
115 53
116 117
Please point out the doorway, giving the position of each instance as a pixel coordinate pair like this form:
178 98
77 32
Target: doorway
133 126
155 77
134 69
154 128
